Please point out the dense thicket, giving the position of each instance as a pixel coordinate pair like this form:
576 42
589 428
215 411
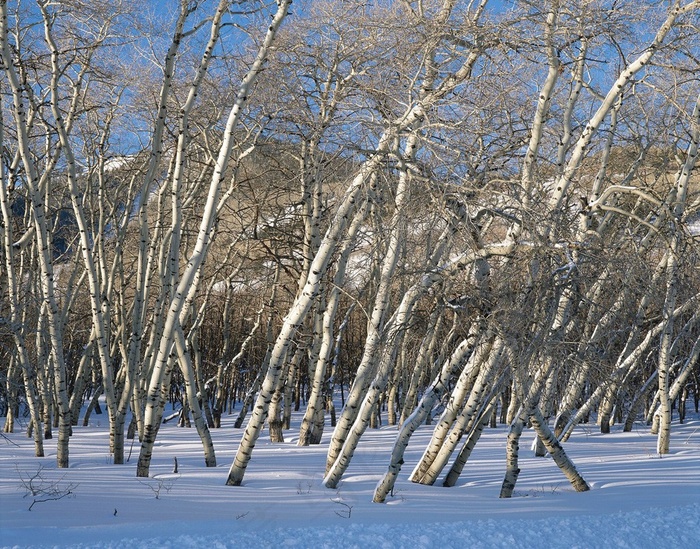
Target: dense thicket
453 212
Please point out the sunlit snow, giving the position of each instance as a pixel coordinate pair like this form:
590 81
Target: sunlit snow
637 499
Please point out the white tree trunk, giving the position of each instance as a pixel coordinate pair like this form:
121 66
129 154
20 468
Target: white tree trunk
672 284
478 396
191 273
459 394
512 453
432 395
463 456
557 452
35 185
307 434
13 286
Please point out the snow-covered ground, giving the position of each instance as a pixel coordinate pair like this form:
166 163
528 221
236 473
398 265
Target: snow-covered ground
637 499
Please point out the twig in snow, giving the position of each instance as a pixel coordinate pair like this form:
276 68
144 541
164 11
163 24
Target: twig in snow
346 512
36 485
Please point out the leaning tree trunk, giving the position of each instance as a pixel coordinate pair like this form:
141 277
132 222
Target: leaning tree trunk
557 452
21 352
188 374
479 395
341 446
191 274
432 395
512 451
672 286
35 185
457 398
296 315
309 433
461 459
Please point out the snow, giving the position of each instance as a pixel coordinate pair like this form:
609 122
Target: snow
637 499
694 227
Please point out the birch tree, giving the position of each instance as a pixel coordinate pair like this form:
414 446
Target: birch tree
62 91
681 192
430 93
425 202
188 281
